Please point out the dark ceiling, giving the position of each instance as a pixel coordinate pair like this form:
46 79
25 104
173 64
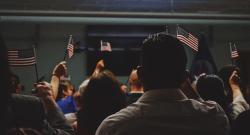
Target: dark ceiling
177 6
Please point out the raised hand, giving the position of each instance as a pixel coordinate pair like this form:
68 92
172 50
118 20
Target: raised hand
234 79
60 69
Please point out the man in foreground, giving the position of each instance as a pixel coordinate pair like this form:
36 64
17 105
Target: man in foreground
163 108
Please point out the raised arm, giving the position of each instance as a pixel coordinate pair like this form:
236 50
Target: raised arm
238 104
234 84
59 71
99 67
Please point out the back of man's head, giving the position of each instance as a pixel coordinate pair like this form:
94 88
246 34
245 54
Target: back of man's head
163 62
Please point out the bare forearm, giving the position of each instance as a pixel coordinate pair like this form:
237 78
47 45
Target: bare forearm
235 91
55 85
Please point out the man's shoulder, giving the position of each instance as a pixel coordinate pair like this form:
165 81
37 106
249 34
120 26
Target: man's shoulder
206 106
119 120
130 112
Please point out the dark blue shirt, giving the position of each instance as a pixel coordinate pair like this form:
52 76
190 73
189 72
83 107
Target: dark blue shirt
67 105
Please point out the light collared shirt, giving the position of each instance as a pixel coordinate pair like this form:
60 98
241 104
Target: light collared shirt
167 112
238 106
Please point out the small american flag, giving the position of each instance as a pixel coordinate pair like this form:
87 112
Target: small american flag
187 38
70 50
70 47
24 57
234 52
105 46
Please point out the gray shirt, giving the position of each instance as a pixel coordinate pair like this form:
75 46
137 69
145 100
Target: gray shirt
238 106
167 112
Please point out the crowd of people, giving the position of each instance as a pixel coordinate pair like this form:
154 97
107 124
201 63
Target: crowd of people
161 98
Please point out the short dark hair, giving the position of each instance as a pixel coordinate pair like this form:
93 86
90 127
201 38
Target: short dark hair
101 98
211 87
163 62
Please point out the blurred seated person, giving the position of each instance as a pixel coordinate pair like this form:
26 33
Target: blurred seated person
21 112
101 98
135 88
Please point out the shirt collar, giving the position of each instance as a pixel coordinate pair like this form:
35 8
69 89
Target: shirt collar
162 95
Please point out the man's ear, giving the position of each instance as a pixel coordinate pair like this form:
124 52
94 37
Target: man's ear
140 73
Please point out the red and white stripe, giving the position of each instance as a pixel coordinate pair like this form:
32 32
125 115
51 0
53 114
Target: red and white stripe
234 54
15 60
191 41
70 49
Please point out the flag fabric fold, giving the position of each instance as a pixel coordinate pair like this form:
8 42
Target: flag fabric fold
25 57
187 38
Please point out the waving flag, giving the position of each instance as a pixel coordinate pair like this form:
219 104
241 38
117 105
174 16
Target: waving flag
24 57
70 50
234 52
70 47
105 46
187 38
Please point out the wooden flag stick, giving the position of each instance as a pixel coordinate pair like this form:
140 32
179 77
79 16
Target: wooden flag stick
34 51
230 45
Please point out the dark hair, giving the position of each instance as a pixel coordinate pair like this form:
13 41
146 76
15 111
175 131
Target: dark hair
211 87
63 86
163 62
5 83
101 98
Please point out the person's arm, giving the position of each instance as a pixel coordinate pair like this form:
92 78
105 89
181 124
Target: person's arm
57 124
59 71
238 104
234 84
99 67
